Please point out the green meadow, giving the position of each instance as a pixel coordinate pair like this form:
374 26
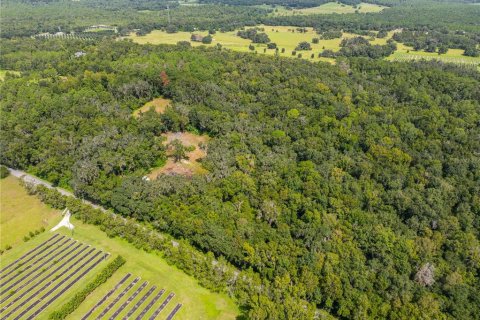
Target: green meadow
327 8
288 37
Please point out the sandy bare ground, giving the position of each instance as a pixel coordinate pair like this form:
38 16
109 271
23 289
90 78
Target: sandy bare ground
185 167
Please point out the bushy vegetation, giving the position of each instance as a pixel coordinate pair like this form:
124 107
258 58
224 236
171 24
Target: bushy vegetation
33 234
361 47
350 188
80 296
4 172
254 35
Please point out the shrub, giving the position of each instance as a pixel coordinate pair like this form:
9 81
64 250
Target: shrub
184 44
207 40
4 172
171 29
272 45
304 45
80 296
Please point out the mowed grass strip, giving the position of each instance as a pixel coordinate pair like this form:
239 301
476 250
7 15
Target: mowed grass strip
21 213
198 302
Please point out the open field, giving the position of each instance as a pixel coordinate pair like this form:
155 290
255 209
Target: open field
21 213
184 167
285 38
327 8
405 53
159 105
68 252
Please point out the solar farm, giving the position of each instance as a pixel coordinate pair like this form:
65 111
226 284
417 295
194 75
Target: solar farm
45 273
112 309
41 275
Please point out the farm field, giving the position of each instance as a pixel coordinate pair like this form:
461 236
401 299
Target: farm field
21 213
327 8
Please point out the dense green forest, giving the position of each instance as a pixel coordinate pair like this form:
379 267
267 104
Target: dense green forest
353 187
21 19
314 3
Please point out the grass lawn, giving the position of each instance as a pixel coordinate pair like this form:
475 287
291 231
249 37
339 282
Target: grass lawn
327 8
198 302
21 213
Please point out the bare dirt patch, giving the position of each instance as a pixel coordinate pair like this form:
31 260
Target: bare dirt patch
159 105
184 167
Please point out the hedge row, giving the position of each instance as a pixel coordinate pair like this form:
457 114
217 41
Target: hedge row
79 297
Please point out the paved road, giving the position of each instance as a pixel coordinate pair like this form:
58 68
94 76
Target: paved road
37 181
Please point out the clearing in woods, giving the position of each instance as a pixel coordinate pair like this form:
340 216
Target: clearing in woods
327 8
288 37
183 167
404 53
21 213
158 104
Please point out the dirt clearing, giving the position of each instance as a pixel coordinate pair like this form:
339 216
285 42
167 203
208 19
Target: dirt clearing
183 167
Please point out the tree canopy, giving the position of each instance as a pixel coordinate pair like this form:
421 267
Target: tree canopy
350 188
